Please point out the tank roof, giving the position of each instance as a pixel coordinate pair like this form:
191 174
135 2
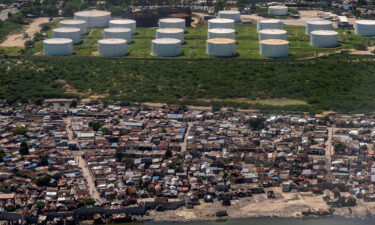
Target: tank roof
274 42
324 32
117 29
221 41
229 12
170 30
270 21
166 41
112 41
221 20
365 22
58 41
66 29
172 20
92 13
221 30
272 31
73 21
319 22
278 7
122 21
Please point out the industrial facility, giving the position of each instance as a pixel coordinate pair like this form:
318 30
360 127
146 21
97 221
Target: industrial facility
166 47
112 47
172 23
270 24
58 47
272 34
324 38
274 48
118 33
72 33
221 23
234 15
365 27
318 25
94 18
81 24
278 10
221 33
221 47
125 23
174 33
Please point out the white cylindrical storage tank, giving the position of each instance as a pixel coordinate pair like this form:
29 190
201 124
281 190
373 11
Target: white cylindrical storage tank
170 33
68 32
234 15
274 48
112 47
221 47
58 46
324 38
221 33
270 24
172 23
94 18
119 33
221 23
365 27
318 25
278 10
126 23
272 34
166 47
81 24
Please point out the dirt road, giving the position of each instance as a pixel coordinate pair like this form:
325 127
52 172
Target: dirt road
18 40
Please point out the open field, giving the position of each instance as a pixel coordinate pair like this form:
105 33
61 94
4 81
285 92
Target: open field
195 43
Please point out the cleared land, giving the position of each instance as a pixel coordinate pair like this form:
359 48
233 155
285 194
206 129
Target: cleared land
195 46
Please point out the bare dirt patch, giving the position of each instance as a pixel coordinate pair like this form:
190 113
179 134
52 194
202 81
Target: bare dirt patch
19 39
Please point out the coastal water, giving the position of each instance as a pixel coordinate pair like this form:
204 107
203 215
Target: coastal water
275 221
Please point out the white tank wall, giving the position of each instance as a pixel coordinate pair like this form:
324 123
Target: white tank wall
365 27
112 49
172 23
274 50
170 33
220 49
234 15
165 49
221 33
278 10
221 23
57 47
270 24
95 19
272 34
325 39
126 23
318 25
73 33
81 24
111 33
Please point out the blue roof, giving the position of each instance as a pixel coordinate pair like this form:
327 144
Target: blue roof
31 166
181 131
7 159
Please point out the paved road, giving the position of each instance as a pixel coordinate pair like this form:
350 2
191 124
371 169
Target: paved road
4 13
184 144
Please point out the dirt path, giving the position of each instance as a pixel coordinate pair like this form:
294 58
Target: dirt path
18 40
329 151
184 144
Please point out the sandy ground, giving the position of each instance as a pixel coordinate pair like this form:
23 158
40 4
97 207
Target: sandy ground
284 205
18 40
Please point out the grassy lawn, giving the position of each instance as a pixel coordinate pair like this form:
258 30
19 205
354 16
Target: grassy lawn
6 27
195 43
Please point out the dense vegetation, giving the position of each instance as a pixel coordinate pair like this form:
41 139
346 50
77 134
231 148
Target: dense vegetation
6 27
340 82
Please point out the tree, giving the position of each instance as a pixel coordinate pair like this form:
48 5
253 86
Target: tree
43 161
219 5
74 104
340 148
24 148
2 154
20 130
168 154
119 153
40 204
89 202
43 181
95 125
241 4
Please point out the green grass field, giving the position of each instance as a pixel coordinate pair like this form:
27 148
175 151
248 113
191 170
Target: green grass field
195 43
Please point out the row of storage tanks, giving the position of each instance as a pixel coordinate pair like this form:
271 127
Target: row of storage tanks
170 35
